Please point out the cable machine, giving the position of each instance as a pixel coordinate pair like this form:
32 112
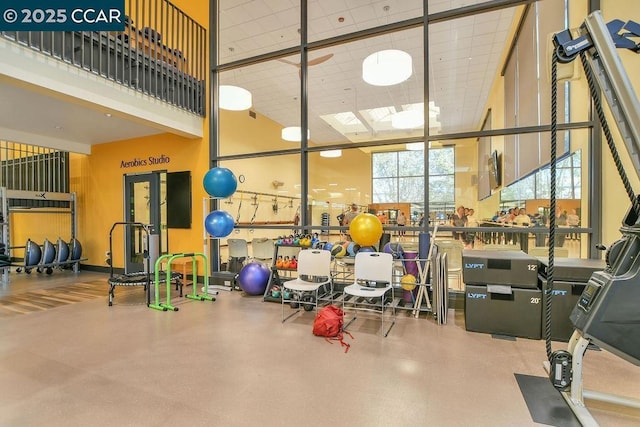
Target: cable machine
607 312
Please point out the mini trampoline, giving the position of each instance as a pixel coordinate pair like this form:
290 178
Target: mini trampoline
141 278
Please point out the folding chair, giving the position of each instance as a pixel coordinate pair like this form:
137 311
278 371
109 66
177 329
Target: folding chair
262 250
314 272
453 249
373 280
238 254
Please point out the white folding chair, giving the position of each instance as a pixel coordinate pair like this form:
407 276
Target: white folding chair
373 274
453 249
262 249
313 273
238 248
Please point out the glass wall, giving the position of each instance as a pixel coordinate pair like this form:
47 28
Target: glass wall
354 138
247 29
260 126
333 18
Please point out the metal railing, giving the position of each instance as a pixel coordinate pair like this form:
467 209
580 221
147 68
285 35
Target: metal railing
161 52
34 169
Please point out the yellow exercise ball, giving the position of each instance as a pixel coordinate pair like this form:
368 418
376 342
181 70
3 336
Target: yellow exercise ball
338 250
365 229
408 282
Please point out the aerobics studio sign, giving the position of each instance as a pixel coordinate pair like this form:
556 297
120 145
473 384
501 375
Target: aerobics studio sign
62 15
149 161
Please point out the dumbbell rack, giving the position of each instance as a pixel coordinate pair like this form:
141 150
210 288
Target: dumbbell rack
274 276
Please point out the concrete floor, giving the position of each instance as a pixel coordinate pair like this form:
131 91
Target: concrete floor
233 363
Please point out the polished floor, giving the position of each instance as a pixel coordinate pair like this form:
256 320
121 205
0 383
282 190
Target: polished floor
68 359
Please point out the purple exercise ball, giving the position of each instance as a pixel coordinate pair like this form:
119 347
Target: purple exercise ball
394 249
253 278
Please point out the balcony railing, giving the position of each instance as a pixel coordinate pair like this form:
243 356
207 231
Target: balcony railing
35 170
161 52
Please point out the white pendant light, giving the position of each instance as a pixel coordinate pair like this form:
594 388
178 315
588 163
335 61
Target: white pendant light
234 98
410 119
331 153
414 146
294 134
387 67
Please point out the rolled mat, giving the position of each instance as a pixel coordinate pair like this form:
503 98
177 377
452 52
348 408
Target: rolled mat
424 241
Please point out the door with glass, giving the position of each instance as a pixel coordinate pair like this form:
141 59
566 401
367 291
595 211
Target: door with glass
142 205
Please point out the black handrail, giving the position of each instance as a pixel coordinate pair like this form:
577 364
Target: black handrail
159 52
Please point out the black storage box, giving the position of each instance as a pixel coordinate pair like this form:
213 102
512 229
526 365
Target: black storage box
224 278
571 269
565 298
518 314
514 268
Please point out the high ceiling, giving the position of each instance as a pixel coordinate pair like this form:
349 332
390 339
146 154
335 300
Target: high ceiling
464 54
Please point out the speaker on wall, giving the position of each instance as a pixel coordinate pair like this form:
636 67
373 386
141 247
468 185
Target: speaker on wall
495 170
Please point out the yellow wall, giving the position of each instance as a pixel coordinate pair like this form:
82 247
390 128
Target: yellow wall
98 181
28 224
614 199
240 133
466 174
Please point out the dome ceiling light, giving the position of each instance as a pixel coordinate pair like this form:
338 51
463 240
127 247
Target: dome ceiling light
235 98
331 153
294 134
387 67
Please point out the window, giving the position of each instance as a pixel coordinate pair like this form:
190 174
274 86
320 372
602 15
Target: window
538 185
398 176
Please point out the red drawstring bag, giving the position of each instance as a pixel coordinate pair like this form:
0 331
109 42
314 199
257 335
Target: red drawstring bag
328 324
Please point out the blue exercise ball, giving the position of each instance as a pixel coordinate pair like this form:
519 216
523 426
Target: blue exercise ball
253 278
219 224
220 182
352 249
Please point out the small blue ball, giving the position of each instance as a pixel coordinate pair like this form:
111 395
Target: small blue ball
219 224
